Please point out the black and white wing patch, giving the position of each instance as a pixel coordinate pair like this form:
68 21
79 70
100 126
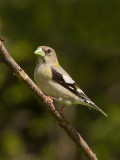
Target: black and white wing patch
70 84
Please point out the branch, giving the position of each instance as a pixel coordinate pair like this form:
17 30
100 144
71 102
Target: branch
46 102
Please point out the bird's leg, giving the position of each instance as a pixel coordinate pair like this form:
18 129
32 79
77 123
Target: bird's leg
61 109
56 99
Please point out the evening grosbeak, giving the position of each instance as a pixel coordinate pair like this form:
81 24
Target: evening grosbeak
55 82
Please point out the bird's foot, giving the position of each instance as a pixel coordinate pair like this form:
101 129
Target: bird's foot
54 98
50 101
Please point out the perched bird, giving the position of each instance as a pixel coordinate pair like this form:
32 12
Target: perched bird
55 82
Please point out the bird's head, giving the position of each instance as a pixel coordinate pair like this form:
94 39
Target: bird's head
46 55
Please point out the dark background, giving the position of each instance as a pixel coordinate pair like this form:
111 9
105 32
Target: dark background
86 37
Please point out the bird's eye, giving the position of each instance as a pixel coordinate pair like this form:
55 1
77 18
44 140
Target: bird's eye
48 51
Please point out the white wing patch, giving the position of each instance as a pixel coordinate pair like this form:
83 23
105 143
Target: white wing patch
68 79
88 101
79 90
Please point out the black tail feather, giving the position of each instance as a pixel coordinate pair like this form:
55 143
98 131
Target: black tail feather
97 108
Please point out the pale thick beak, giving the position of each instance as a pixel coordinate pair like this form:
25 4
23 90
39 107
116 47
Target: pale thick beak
40 52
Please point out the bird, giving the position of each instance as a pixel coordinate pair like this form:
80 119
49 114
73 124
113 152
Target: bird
55 82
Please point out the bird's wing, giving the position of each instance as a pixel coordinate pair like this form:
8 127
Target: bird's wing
62 77
66 81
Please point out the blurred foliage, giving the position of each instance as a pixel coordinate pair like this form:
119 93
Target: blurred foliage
85 35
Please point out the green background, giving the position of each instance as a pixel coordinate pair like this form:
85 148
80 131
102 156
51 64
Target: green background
86 37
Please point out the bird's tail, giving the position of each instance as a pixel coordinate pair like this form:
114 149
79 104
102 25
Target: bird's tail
92 105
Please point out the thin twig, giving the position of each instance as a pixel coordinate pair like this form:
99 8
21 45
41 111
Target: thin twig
47 103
